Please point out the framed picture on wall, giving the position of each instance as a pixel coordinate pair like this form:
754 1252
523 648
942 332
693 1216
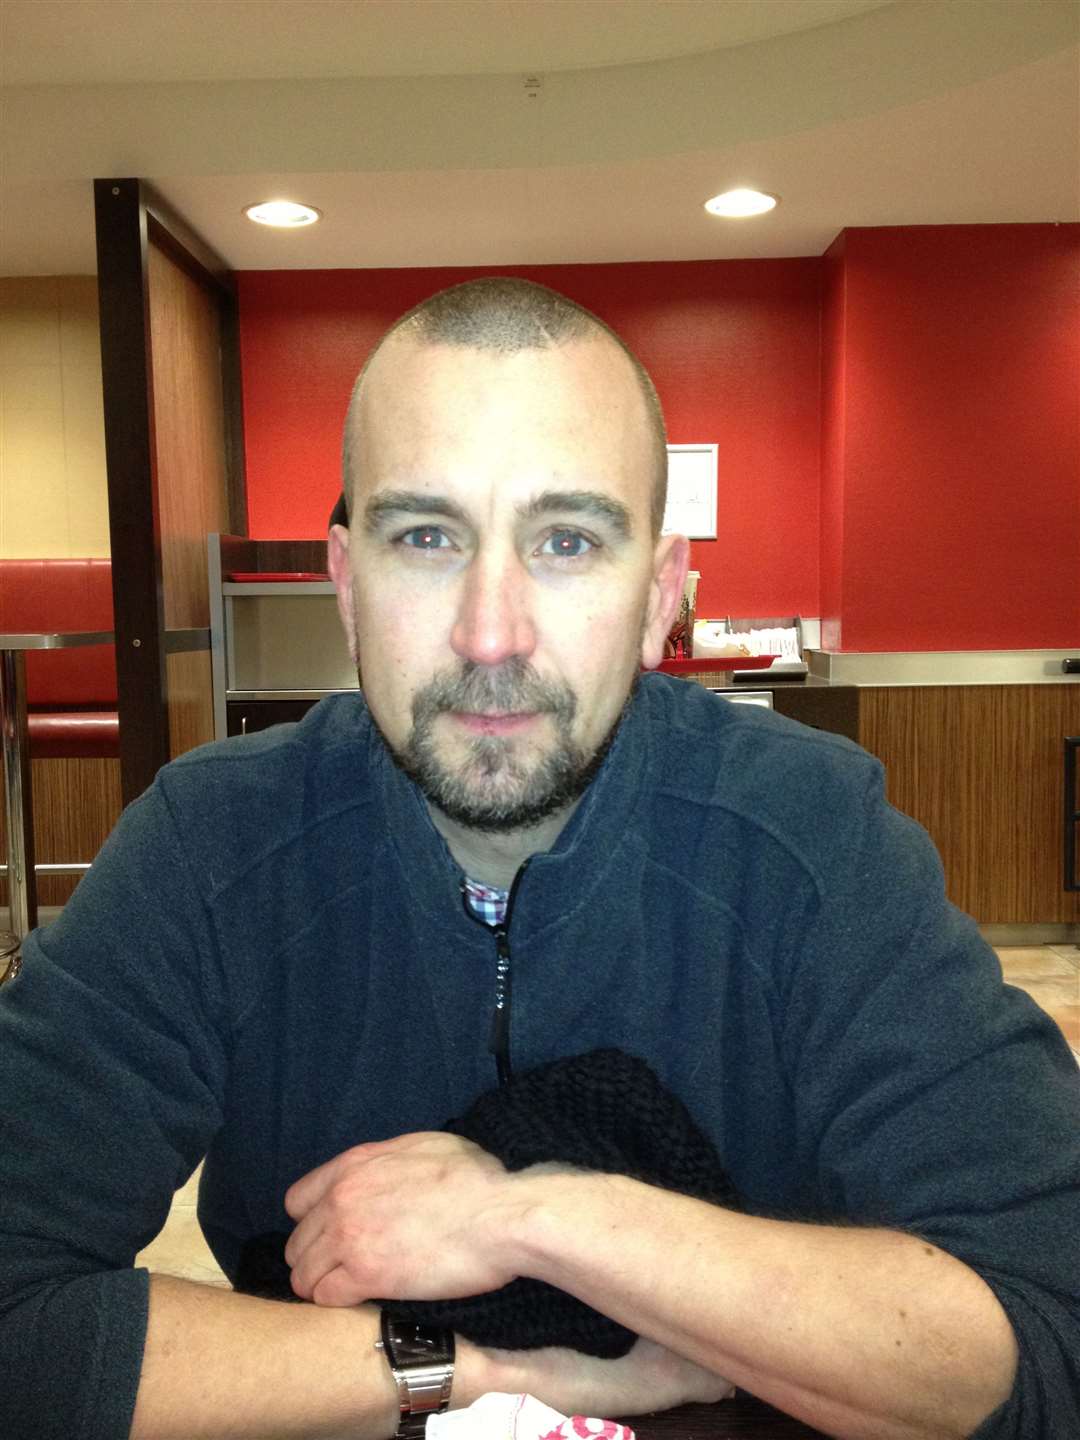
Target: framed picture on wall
691 497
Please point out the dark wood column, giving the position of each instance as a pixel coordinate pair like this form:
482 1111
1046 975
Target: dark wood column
131 461
156 617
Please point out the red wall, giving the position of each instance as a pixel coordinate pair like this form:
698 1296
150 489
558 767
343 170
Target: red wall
951 450
831 535
733 348
898 421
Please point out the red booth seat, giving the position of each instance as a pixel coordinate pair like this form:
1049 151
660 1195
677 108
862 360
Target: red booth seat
71 694
61 734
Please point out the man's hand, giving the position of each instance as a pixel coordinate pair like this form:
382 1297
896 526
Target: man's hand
426 1217
648 1378
420 1217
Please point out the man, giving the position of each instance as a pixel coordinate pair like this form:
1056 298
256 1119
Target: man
271 965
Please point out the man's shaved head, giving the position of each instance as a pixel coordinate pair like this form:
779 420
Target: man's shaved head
503 316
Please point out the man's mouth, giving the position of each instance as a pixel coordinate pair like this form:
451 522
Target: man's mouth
497 722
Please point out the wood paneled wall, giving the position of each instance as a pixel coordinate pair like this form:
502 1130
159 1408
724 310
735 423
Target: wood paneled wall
189 426
981 768
191 700
192 478
76 804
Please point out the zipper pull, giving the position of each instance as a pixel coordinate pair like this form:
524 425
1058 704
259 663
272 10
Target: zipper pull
499 1041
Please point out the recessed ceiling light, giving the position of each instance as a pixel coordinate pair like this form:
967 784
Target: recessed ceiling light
284 214
737 204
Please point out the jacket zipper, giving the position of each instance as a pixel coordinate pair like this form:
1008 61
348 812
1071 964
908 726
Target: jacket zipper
499 1035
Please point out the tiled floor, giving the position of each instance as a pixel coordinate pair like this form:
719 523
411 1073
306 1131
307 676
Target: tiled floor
1051 976
1049 973
180 1248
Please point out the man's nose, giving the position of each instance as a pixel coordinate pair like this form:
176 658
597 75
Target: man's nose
494 619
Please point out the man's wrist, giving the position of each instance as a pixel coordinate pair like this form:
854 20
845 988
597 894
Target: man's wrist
476 1372
554 1202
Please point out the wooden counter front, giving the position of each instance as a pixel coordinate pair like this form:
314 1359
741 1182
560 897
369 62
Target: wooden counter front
981 767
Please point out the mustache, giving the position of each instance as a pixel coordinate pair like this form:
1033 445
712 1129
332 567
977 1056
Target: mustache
512 686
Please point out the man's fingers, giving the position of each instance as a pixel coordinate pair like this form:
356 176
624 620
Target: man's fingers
318 1277
306 1192
303 1237
313 1262
338 1288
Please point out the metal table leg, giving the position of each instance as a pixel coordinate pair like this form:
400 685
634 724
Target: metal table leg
22 887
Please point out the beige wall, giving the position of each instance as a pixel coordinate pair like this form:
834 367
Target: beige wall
53 493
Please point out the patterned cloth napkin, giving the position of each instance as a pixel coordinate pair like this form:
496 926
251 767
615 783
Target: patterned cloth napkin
519 1417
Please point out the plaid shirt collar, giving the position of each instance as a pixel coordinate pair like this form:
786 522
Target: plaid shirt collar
485 902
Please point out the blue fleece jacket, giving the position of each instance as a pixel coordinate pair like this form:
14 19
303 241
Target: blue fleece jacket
270 961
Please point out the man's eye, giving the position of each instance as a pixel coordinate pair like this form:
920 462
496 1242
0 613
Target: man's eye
425 537
566 544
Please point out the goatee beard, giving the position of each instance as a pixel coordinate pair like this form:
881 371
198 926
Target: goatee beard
495 789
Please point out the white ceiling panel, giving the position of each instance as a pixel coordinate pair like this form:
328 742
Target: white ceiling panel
919 112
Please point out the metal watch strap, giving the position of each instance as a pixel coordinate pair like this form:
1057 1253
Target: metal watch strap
421 1360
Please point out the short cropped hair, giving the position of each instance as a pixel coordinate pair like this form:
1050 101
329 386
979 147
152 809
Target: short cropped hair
504 315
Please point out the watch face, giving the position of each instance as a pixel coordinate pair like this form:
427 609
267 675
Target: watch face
420 1345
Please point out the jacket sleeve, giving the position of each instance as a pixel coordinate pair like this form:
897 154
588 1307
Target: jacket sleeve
934 1099
111 1078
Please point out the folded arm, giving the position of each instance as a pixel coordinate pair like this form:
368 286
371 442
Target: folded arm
218 1364
860 1332
866 1334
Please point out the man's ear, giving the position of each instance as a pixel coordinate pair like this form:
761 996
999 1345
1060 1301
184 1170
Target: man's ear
671 560
337 563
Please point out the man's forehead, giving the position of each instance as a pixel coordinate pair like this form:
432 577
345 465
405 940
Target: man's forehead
404 365
580 402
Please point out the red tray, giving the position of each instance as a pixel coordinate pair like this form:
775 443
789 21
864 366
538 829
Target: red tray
253 577
715 662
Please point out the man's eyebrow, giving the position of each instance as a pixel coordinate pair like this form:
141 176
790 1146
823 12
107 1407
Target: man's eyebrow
387 503
586 503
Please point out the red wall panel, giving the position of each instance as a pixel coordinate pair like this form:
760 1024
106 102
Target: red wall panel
733 347
898 421
831 539
959 456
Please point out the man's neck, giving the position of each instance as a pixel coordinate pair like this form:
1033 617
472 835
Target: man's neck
495 859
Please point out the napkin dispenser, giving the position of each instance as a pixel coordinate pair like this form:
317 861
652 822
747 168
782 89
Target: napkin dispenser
779 636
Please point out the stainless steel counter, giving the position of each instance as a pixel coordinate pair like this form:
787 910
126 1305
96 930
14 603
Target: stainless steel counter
943 667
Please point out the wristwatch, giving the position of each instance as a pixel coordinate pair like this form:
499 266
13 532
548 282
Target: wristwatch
421 1360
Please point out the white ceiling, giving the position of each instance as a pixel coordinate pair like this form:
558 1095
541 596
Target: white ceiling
417 134
119 41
